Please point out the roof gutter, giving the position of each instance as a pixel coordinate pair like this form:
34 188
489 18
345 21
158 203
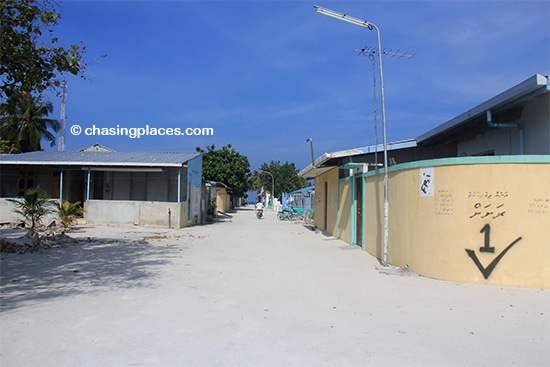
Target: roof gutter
492 124
93 164
529 88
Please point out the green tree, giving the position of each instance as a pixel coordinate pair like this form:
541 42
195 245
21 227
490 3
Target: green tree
23 130
31 61
33 206
285 176
228 166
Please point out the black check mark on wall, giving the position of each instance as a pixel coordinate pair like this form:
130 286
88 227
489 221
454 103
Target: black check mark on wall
489 269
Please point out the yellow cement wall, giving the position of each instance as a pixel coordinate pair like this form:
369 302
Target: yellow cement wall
500 212
344 211
326 200
223 200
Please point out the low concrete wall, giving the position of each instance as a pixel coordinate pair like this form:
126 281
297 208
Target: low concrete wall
139 213
6 212
120 213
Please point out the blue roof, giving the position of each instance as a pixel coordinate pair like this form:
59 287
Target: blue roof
304 190
98 158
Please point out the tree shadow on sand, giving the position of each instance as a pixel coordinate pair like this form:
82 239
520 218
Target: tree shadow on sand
89 266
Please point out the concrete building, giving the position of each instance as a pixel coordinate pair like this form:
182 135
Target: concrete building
468 201
117 188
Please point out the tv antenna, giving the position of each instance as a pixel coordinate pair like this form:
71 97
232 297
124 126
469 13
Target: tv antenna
370 52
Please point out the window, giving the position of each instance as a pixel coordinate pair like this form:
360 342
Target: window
25 182
54 183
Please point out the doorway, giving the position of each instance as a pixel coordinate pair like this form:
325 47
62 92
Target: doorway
325 207
359 211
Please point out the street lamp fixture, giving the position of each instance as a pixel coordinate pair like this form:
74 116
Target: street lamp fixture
312 155
370 26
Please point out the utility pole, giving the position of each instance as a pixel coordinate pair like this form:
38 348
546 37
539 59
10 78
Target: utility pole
62 120
312 155
370 26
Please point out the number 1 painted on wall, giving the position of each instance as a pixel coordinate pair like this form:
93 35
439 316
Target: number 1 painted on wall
486 248
486 271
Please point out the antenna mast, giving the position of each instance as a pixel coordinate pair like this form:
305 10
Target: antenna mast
61 145
370 52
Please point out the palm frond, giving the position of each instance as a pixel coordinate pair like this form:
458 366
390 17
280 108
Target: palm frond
68 212
32 207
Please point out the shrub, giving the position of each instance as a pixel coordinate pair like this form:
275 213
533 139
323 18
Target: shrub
68 212
32 207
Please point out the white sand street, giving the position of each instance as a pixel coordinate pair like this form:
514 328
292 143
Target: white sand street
250 292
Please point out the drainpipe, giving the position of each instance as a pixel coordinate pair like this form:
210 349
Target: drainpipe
490 123
61 186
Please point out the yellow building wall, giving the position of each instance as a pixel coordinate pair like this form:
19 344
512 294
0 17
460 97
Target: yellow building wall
326 200
344 211
223 200
477 223
373 210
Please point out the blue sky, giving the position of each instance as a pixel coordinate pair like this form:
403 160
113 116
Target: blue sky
266 75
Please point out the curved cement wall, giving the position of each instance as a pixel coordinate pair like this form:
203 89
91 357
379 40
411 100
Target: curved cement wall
479 220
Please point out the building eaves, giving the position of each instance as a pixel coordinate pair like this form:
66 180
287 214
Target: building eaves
529 88
100 159
217 184
330 160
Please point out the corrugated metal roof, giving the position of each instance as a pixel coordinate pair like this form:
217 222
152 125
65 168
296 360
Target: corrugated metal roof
371 149
90 158
528 88
320 167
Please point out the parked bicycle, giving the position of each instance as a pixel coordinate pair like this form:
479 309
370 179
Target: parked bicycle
287 214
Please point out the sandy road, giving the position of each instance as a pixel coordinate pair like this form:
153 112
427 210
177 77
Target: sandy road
252 293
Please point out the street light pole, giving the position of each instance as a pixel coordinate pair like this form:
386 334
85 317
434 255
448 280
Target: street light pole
370 26
312 155
272 186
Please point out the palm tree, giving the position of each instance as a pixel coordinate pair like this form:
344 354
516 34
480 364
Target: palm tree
32 207
24 128
68 212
